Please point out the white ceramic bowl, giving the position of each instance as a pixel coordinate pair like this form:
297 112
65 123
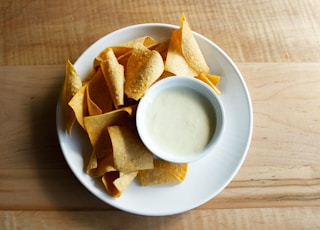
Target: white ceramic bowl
157 125
206 177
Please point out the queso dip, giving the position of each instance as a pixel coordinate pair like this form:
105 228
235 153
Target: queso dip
180 121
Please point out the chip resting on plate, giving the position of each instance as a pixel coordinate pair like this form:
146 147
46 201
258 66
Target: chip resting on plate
116 182
98 95
71 86
144 67
129 153
163 173
114 76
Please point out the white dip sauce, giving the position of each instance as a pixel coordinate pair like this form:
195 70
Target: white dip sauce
180 121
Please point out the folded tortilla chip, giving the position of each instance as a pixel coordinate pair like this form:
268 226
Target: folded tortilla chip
93 108
190 48
114 76
108 179
175 61
98 96
144 67
116 182
124 180
163 173
210 80
71 86
117 50
94 125
79 105
129 153
97 168
162 48
146 41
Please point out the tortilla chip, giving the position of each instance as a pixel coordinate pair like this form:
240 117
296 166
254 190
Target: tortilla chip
190 48
129 153
163 173
162 48
92 165
205 79
97 168
117 50
101 159
116 182
124 180
123 59
175 61
213 78
146 41
144 67
79 105
108 179
103 145
95 125
93 108
114 76
71 86
98 95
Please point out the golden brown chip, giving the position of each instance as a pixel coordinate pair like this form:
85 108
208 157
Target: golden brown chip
123 59
98 95
94 125
124 180
162 48
190 48
163 173
205 79
118 51
79 105
93 108
101 159
97 168
175 61
92 165
108 179
213 78
114 76
116 182
146 41
129 153
144 67
71 86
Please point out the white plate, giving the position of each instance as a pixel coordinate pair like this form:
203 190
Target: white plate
205 178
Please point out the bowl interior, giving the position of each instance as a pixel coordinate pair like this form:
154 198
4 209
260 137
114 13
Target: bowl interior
174 134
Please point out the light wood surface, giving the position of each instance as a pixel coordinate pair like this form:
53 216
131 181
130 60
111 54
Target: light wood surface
275 44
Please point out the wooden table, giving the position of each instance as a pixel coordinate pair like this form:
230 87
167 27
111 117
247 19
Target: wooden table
276 45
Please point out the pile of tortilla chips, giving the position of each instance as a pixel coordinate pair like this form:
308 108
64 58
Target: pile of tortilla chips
104 105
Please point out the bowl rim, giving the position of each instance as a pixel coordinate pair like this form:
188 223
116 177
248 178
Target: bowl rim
184 82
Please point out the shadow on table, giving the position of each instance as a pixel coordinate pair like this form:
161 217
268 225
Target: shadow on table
64 191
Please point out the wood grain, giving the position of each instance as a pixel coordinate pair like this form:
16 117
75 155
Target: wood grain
49 32
276 45
281 169
291 218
